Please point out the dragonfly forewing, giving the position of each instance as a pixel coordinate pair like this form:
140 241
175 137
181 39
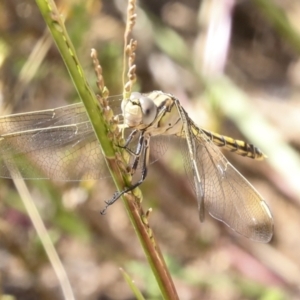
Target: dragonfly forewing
228 196
65 115
59 142
61 153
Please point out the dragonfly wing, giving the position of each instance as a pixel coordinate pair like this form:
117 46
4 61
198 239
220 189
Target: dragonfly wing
159 146
60 141
64 115
228 196
61 153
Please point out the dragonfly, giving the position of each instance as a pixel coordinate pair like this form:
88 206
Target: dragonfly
62 143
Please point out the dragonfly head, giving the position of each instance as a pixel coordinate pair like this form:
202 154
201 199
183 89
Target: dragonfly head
139 111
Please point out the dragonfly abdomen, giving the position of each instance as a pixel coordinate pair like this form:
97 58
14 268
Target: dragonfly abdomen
239 147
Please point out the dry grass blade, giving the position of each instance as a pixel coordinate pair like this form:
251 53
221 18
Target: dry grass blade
43 235
26 75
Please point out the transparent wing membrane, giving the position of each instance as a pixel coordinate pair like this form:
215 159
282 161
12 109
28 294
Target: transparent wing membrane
229 197
57 144
61 153
65 115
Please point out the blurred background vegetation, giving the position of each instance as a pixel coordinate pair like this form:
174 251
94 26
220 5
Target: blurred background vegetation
183 48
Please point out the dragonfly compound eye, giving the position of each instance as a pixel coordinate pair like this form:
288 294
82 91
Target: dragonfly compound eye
149 110
135 95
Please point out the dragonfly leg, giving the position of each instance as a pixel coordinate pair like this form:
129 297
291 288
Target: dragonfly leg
140 148
129 139
144 147
138 151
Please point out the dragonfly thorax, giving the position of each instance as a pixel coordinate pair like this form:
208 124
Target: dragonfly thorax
155 113
167 121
